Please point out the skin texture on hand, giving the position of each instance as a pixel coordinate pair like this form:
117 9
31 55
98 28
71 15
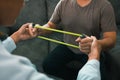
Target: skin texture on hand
85 44
24 33
108 41
95 49
42 31
90 46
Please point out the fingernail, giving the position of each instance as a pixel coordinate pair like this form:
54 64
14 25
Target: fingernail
30 25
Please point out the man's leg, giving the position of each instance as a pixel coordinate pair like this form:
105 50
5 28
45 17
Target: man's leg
103 66
55 63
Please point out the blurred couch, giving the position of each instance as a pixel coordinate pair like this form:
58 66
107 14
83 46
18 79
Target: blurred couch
39 11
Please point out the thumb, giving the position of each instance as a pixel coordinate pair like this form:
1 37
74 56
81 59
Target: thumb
78 39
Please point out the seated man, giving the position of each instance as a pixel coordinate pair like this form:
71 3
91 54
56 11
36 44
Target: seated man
13 67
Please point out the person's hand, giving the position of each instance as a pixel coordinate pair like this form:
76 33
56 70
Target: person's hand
24 33
39 31
95 49
85 44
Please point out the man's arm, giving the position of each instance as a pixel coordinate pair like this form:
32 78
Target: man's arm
108 30
108 27
108 41
42 31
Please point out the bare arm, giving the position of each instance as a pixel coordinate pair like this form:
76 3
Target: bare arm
24 33
108 41
48 25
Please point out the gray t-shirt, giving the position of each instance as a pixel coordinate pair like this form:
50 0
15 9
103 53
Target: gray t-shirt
95 18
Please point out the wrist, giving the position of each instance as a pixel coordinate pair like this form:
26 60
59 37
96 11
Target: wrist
99 45
15 37
94 55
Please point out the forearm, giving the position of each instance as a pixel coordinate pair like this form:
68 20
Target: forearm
95 54
15 36
108 41
48 25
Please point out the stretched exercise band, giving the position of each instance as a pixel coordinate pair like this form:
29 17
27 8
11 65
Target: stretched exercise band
59 42
60 31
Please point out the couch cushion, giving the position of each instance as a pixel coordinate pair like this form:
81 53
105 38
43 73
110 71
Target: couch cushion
51 6
4 32
33 11
4 29
116 6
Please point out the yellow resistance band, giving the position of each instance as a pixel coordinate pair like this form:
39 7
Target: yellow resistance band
59 42
60 31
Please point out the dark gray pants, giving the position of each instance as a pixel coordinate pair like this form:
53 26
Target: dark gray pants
56 63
